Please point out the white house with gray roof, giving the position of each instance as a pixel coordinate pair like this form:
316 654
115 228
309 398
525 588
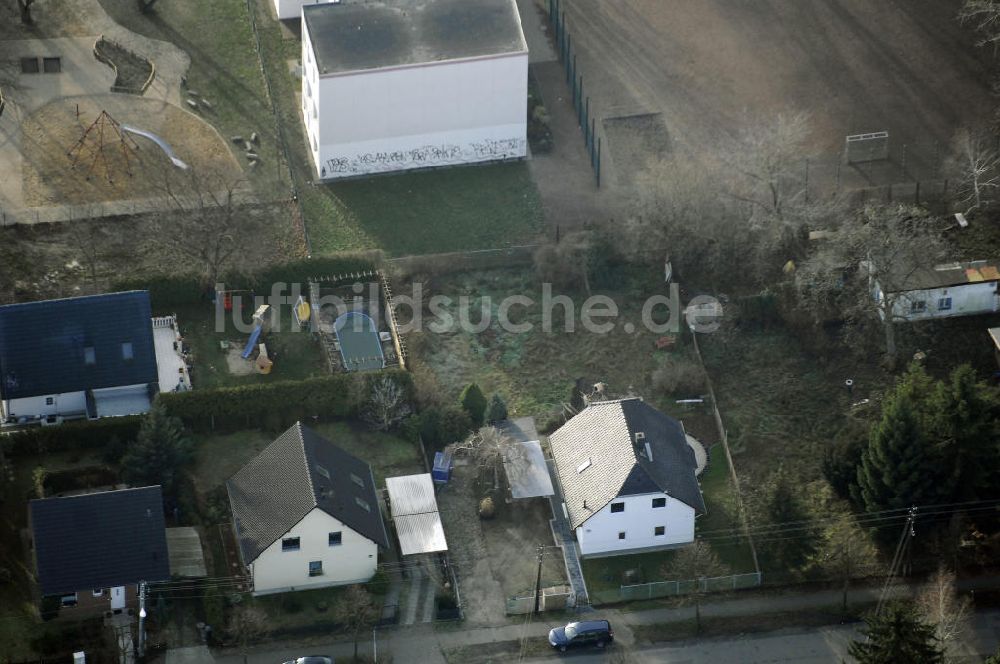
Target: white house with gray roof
393 85
306 515
628 479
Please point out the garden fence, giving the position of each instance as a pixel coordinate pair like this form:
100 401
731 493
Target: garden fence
656 589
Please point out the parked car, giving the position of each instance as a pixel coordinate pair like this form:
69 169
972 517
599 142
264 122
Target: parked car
583 634
311 659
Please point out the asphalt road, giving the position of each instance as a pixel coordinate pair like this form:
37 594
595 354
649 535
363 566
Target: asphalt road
824 644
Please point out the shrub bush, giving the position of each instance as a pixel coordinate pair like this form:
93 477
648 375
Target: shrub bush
438 426
679 375
276 405
167 292
76 435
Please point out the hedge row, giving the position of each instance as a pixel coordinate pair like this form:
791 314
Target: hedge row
75 435
271 406
176 291
276 406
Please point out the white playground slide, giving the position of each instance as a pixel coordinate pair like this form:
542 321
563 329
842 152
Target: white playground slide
169 151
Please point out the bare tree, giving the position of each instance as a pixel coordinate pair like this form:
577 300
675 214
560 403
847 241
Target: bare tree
357 610
25 7
488 448
984 15
846 551
387 404
941 606
248 624
870 265
208 228
695 562
747 202
977 168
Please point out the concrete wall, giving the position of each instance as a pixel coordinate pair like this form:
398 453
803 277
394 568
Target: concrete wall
354 561
393 119
67 404
599 534
293 8
966 300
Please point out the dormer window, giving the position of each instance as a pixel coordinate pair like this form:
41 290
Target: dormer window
89 356
357 480
362 504
127 353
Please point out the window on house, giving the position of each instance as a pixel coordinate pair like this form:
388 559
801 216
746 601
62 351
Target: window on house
89 356
918 306
127 353
621 535
363 504
659 502
617 507
336 539
52 65
944 304
290 544
357 480
30 66
322 471
50 401
68 600
659 531
98 592
316 568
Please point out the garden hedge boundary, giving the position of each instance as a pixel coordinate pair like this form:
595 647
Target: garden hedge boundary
272 407
276 406
168 291
70 436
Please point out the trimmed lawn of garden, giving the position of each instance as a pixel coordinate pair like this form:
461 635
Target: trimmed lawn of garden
218 457
296 355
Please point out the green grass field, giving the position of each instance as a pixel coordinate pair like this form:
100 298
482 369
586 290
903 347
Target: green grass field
218 457
296 354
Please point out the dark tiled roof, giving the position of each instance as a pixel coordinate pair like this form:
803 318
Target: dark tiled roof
100 540
603 434
354 36
42 344
279 487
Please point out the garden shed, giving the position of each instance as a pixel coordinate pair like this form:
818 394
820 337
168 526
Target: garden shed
405 84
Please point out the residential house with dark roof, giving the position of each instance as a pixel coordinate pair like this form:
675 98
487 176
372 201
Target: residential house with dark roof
392 85
93 550
77 357
627 476
942 291
306 515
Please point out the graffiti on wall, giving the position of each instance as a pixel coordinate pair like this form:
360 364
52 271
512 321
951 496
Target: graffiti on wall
424 157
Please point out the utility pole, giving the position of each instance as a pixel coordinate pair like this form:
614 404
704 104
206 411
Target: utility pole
142 619
538 577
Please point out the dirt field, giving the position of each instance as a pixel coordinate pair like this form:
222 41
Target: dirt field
50 178
495 559
855 65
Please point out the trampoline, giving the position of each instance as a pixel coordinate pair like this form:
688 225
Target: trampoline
360 347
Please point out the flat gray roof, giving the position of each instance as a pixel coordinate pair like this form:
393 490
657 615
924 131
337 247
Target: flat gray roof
355 36
415 514
527 471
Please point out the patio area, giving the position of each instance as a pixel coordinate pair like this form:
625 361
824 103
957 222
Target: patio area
171 365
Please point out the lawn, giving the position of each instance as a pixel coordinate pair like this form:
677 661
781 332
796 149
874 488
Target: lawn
296 355
224 69
218 457
453 209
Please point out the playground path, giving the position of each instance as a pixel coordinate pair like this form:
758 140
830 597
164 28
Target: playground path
82 74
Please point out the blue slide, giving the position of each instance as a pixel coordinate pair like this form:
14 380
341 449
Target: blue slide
252 343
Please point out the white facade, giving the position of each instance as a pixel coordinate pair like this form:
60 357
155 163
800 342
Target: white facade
601 534
960 300
286 9
397 118
354 560
66 405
